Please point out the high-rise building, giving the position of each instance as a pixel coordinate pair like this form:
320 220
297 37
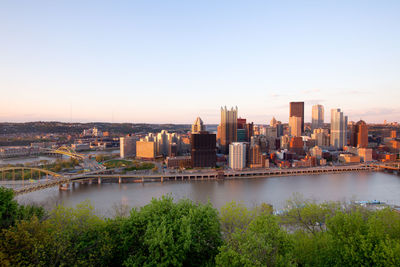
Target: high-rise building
241 123
127 146
228 127
351 133
249 131
297 110
237 156
279 129
198 126
273 122
321 137
204 151
317 117
295 126
338 129
241 135
361 134
255 156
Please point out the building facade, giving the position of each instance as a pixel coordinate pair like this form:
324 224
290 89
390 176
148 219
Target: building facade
338 129
361 134
297 110
295 126
228 128
198 126
127 146
146 149
317 117
237 156
203 150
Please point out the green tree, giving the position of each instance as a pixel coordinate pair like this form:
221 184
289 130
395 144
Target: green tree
11 211
165 233
262 243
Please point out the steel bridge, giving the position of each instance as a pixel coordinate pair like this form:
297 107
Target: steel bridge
64 150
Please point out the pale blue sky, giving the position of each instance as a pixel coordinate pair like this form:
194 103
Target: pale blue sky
171 61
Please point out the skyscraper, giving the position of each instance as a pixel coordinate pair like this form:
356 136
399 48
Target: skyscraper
317 117
204 151
237 155
338 129
361 134
295 126
228 127
241 123
198 126
273 122
279 129
297 110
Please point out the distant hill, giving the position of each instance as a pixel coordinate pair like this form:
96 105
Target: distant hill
73 128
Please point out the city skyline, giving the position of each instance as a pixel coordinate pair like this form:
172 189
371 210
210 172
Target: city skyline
147 63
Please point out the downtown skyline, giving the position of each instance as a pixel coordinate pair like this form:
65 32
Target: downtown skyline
172 62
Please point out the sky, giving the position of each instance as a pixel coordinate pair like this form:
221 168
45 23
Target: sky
171 61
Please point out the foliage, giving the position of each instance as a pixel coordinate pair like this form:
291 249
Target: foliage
129 165
183 233
262 243
164 233
11 211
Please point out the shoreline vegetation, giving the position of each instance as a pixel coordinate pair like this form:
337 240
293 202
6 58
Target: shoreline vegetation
184 233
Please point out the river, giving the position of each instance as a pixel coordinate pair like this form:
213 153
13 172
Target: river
274 190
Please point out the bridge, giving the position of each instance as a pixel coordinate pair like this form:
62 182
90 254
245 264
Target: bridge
388 167
27 174
64 150
106 176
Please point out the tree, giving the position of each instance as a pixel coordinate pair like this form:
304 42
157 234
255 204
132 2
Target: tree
165 233
8 208
11 211
263 243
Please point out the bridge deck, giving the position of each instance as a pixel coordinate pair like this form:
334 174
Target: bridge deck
188 176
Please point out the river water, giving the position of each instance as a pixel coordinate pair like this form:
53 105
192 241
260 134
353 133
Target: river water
274 190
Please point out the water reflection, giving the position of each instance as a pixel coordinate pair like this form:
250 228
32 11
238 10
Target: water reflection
273 190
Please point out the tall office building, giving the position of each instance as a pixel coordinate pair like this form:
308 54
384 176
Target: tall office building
204 150
228 127
237 156
255 156
295 126
198 126
279 129
338 129
317 117
273 122
249 131
127 146
361 134
241 123
297 110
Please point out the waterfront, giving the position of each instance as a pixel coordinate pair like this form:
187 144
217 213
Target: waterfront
273 190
